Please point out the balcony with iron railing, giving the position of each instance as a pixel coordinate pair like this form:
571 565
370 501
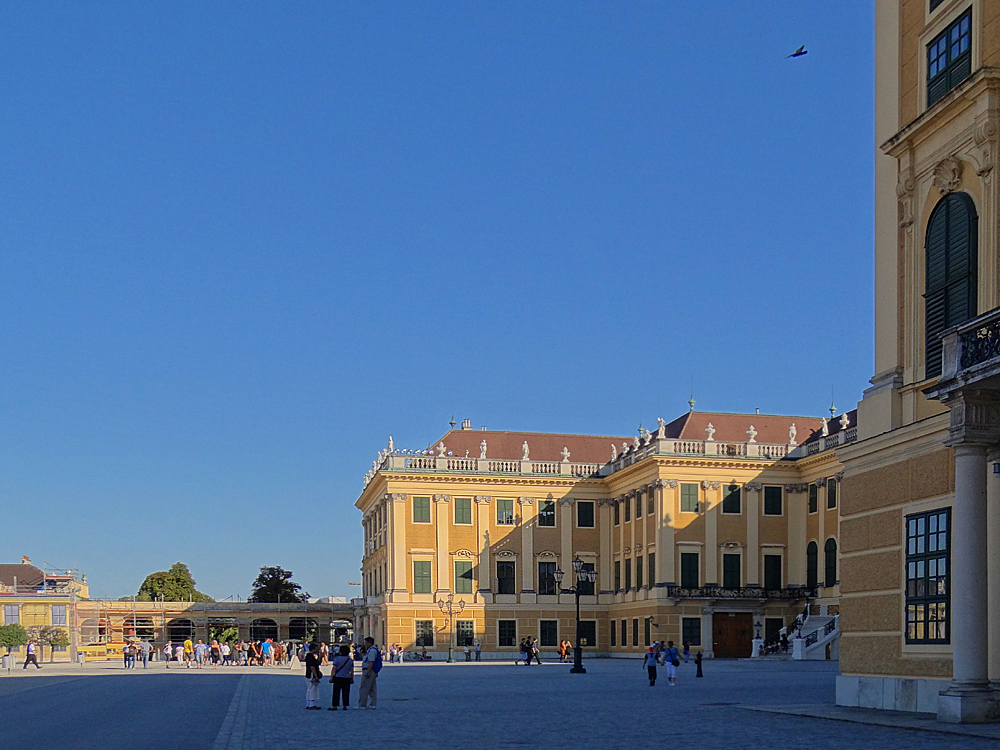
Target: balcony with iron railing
970 354
745 592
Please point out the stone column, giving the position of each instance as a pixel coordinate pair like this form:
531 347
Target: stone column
752 562
527 549
442 521
566 534
797 512
967 699
711 531
621 539
396 585
485 576
630 498
666 558
605 579
993 572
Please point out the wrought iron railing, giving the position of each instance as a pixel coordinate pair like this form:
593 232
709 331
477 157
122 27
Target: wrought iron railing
745 592
980 344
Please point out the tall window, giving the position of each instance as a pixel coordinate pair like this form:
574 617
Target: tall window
618 575
505 511
812 565
949 58
831 493
586 587
813 498
421 510
507 632
689 498
772 571
585 514
650 503
647 631
546 578
635 631
463 576
505 577
691 631
731 571
548 632
772 501
465 632
952 259
628 508
11 614
628 573
618 512
421 576
463 510
624 635
689 570
651 566
424 633
731 501
928 582
614 634
547 513
588 632
638 572
830 548
59 614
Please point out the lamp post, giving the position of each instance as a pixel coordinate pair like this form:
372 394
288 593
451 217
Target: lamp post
582 576
451 608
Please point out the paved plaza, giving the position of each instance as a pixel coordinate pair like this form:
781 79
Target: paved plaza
433 705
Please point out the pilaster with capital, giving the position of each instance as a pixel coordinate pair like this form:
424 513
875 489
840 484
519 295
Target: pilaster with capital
565 531
485 573
396 505
752 563
528 523
607 529
442 522
712 491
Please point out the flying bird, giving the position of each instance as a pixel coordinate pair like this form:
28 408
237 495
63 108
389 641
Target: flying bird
799 52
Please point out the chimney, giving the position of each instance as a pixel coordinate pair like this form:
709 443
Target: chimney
466 424
483 428
25 560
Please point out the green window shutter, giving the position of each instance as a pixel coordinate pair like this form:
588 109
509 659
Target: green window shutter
772 571
638 572
831 493
690 575
812 565
813 498
628 574
689 498
731 571
505 512
421 576
731 502
463 510
830 550
772 501
463 577
421 510
651 558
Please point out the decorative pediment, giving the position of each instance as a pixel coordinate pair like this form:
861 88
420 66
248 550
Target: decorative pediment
505 553
948 175
463 553
732 545
547 554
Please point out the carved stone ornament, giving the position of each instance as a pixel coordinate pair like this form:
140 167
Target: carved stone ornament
526 500
753 486
547 553
657 484
751 435
524 451
984 135
948 175
462 553
845 421
441 449
905 185
608 501
614 452
824 427
482 449
707 485
398 497
732 545
709 433
671 483
484 499
565 454
442 498
565 501
839 476
792 432
796 488
661 433
505 553
821 482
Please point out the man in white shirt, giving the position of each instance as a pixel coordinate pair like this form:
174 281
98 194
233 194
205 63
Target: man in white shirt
368 675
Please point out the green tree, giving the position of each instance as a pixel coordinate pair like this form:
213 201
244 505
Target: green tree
51 636
174 585
275 584
12 636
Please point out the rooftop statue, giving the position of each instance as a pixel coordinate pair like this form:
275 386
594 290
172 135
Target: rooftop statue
524 451
482 449
710 431
614 452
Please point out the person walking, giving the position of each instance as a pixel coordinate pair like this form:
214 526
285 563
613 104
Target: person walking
313 676
168 653
226 651
130 653
342 678
145 649
534 651
371 665
468 653
180 653
671 659
199 653
687 651
649 662
188 652
32 656
215 654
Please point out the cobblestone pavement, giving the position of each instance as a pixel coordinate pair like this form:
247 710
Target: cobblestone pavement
489 705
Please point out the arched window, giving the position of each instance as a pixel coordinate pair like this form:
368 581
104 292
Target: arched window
812 565
262 629
952 260
831 562
180 630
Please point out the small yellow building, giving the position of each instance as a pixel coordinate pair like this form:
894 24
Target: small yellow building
714 530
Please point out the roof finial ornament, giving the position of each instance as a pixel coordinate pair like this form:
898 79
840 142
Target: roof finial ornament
452 422
833 410
691 403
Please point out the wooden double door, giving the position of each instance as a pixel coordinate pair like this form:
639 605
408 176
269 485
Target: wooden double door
732 635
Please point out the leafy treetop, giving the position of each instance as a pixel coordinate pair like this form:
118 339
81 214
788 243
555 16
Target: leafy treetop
174 585
275 584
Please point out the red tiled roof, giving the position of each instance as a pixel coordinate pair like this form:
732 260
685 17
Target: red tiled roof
543 446
27 575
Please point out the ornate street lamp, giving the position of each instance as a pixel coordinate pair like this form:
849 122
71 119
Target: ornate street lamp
582 576
451 608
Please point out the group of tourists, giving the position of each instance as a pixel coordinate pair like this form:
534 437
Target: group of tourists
260 653
342 675
529 650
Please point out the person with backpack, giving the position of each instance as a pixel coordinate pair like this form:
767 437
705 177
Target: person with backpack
371 665
342 678
649 662
313 676
130 653
671 660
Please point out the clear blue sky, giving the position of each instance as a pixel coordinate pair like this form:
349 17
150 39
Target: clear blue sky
239 248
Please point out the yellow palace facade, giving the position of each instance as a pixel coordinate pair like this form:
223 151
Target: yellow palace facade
714 529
